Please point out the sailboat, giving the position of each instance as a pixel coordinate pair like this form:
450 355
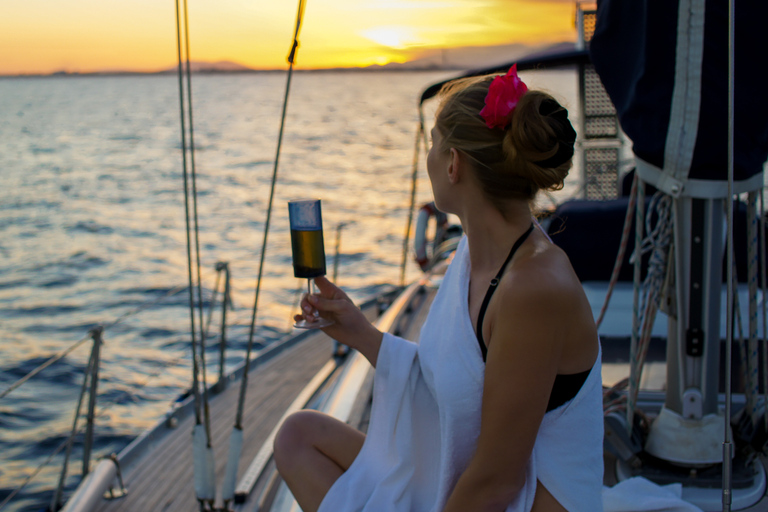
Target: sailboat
673 433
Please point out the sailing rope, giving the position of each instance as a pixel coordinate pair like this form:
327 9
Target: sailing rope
193 175
235 442
291 60
727 497
658 243
753 367
204 476
764 308
622 249
420 133
190 286
639 224
747 359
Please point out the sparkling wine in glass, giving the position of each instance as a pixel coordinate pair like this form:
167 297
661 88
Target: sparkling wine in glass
307 247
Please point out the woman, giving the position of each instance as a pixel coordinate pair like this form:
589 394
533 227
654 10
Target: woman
498 408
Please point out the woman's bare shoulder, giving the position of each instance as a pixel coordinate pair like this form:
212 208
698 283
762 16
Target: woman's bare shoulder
543 273
542 297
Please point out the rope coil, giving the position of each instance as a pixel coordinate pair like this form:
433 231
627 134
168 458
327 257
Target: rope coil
658 242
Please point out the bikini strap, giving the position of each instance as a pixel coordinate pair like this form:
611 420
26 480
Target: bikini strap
492 288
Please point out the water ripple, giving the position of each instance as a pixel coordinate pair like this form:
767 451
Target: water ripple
91 226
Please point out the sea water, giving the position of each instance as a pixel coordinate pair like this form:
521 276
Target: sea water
92 228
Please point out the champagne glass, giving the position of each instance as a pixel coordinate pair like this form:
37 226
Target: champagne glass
307 248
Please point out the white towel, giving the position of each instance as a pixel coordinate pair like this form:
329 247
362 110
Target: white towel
641 495
426 419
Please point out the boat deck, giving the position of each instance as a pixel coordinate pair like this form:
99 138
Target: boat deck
162 479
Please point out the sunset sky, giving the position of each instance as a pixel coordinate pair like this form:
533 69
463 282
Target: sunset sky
43 36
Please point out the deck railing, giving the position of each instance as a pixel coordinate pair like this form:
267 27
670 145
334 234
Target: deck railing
91 380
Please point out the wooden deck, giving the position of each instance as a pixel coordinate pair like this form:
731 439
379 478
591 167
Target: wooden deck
162 480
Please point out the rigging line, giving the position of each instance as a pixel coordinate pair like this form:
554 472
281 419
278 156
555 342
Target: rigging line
196 226
42 367
764 310
419 132
145 305
747 357
195 369
68 350
34 473
244 379
295 46
635 339
622 250
659 238
66 443
752 301
87 376
212 306
727 497
78 426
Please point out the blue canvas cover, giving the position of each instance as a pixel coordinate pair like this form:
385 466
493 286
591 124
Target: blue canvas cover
665 66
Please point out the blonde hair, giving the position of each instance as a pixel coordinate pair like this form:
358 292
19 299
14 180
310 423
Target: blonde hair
506 159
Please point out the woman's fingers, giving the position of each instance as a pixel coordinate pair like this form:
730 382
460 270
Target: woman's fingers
331 298
329 290
350 326
327 305
325 286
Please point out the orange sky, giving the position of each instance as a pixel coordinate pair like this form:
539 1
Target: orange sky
43 36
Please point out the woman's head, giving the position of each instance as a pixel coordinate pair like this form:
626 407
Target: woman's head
531 152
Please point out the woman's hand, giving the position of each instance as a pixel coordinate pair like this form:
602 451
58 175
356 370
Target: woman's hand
350 326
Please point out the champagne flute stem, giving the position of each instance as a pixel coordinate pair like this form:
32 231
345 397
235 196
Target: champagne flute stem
315 313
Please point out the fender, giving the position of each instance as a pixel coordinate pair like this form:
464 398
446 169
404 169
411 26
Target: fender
420 242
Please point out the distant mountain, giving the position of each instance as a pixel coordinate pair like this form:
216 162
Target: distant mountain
222 66
472 57
468 57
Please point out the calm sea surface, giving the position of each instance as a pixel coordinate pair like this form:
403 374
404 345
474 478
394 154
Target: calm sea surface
92 228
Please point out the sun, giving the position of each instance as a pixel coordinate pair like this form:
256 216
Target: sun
397 37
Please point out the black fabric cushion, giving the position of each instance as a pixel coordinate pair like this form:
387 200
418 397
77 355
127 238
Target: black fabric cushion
590 233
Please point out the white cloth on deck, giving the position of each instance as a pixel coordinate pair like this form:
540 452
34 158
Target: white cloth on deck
425 422
639 494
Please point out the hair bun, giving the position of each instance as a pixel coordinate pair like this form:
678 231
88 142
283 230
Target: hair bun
566 135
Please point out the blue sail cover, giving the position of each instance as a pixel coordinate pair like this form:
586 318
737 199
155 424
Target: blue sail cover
665 66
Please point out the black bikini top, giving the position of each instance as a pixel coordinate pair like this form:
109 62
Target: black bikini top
566 386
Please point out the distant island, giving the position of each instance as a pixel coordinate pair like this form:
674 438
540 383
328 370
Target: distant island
470 57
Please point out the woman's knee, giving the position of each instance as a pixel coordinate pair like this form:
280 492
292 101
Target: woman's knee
293 437
307 433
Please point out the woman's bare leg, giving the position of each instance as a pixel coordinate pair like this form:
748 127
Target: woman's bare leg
544 501
312 450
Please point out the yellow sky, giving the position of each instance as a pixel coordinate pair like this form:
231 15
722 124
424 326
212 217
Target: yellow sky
42 36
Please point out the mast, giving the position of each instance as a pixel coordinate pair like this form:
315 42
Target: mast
671 70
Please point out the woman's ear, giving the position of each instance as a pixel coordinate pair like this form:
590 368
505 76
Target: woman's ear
454 172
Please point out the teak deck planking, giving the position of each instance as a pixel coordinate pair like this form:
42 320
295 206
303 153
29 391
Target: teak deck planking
162 480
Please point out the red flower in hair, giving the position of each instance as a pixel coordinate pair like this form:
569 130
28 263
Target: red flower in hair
501 100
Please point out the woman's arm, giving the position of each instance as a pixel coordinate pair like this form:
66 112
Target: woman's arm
523 354
350 326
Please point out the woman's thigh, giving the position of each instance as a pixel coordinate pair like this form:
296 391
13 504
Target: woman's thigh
335 439
544 501
312 450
